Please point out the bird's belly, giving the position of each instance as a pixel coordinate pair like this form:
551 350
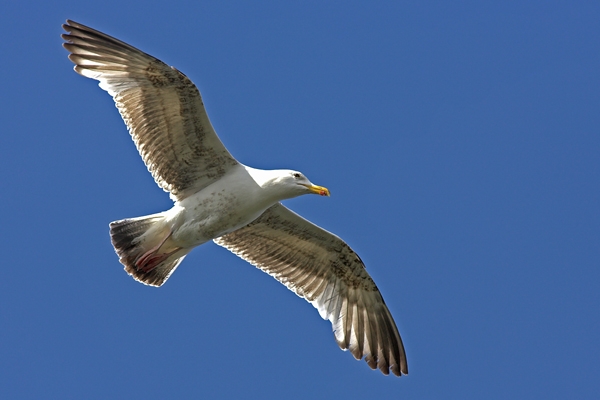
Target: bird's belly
206 216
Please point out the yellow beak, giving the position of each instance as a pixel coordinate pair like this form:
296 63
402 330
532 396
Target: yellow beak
320 190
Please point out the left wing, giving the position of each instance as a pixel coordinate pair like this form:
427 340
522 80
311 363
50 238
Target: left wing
324 270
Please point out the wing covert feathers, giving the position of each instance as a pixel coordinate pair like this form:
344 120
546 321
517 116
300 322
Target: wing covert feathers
162 108
324 270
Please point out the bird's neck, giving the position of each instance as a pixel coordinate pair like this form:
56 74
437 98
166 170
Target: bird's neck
270 184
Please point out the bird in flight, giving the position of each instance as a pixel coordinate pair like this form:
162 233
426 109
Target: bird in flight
217 198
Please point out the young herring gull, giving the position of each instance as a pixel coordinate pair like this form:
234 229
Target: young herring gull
217 198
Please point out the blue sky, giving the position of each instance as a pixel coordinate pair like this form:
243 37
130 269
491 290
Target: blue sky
461 145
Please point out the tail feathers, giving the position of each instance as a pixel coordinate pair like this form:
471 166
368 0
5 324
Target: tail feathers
143 247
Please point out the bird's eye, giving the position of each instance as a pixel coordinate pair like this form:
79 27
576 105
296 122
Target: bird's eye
296 175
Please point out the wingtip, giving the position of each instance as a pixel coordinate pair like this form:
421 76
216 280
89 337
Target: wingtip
68 25
71 23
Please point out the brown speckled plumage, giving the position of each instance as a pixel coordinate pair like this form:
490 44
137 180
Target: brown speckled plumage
162 108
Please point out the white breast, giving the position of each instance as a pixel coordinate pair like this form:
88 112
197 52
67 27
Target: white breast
228 204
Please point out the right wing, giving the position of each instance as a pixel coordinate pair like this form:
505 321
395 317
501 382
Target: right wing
162 108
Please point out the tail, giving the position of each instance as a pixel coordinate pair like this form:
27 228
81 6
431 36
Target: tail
143 248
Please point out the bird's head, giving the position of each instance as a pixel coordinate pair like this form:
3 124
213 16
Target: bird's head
298 182
286 184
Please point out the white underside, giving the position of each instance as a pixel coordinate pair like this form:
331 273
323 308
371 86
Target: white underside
233 201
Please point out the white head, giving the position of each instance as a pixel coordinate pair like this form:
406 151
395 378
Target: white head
285 184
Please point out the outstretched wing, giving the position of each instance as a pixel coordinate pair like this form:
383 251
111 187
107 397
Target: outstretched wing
162 108
324 270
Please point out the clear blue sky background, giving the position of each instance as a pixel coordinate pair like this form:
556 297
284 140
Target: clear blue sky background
461 144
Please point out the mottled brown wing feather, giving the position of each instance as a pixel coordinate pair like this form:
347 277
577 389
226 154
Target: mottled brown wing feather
324 270
162 108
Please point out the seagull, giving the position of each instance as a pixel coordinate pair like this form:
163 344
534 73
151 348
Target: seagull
217 198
